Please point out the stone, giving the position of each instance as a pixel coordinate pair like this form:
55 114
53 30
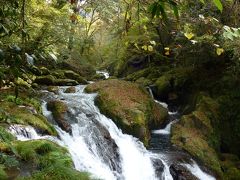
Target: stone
71 89
59 110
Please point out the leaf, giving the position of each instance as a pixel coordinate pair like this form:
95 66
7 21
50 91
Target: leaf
153 43
202 1
189 35
219 51
218 4
167 51
145 47
150 48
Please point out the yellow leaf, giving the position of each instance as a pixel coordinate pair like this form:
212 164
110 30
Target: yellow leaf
135 44
219 51
145 47
167 51
150 48
153 43
189 35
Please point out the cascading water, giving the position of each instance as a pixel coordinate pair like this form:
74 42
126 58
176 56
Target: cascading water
160 144
100 148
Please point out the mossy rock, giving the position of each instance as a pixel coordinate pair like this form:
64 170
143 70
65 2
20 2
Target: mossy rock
59 110
53 89
72 75
65 82
198 133
133 111
173 80
71 89
23 115
45 80
44 71
48 161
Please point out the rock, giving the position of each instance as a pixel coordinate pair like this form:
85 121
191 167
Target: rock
59 110
65 82
180 172
71 89
72 75
53 89
159 167
44 71
133 111
196 134
35 70
98 77
81 69
45 80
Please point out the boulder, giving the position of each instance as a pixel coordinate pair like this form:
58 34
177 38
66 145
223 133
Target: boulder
53 89
179 172
59 110
44 71
65 82
129 106
72 75
71 89
45 80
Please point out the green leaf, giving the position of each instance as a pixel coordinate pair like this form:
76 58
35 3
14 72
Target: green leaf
218 4
202 1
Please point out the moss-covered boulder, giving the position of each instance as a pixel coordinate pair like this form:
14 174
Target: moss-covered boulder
59 110
53 89
44 71
72 75
129 106
198 133
26 115
38 159
71 89
65 82
175 80
45 80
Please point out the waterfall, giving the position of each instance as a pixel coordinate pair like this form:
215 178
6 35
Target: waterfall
99 147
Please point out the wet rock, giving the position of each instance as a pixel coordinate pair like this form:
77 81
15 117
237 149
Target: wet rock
133 111
159 167
59 110
180 172
71 89
53 89
106 143
45 80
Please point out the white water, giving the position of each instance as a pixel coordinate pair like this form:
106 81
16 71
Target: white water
195 170
88 146
166 130
92 151
106 74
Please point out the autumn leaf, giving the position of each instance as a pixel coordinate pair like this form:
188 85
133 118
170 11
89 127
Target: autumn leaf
189 35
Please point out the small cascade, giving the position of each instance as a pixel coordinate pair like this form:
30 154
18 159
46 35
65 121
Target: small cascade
23 133
104 73
160 144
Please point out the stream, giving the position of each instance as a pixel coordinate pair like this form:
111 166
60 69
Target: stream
99 147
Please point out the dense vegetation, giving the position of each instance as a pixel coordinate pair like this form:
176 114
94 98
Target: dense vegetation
187 51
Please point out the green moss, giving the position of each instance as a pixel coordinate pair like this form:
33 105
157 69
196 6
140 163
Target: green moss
134 112
3 174
5 136
198 133
21 115
51 160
